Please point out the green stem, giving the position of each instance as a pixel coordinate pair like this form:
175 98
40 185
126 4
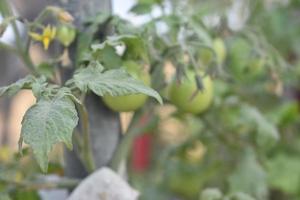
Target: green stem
122 151
87 149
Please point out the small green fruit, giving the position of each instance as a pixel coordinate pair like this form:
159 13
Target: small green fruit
133 102
184 95
66 34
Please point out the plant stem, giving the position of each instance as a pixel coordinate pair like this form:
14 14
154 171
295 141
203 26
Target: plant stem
134 130
87 149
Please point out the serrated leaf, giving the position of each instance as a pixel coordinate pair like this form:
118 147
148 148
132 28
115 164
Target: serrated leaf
249 177
46 123
116 82
17 86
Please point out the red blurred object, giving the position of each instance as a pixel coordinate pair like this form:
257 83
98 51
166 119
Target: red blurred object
141 152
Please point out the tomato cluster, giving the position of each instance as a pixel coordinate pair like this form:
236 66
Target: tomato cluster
184 94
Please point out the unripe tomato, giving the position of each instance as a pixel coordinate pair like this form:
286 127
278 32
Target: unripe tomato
206 56
256 67
66 34
244 64
240 53
132 102
220 50
183 95
183 179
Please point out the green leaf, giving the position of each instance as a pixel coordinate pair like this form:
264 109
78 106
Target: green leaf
46 123
284 173
249 177
286 113
116 82
46 69
17 86
86 37
135 47
141 8
267 133
109 58
211 194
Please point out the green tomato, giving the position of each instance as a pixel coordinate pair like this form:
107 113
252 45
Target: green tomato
206 56
218 46
66 34
220 50
243 64
183 95
240 53
256 68
133 102
183 179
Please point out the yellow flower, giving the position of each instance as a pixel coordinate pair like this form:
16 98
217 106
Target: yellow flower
46 37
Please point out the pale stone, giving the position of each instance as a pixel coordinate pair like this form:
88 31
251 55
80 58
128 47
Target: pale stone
104 184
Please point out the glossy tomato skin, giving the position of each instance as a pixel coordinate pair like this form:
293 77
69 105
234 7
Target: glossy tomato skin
183 95
133 102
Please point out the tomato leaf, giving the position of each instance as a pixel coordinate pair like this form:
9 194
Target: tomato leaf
284 173
267 133
134 45
49 121
249 177
115 82
17 86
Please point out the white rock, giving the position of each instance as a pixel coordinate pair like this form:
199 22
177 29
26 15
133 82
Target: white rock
104 184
